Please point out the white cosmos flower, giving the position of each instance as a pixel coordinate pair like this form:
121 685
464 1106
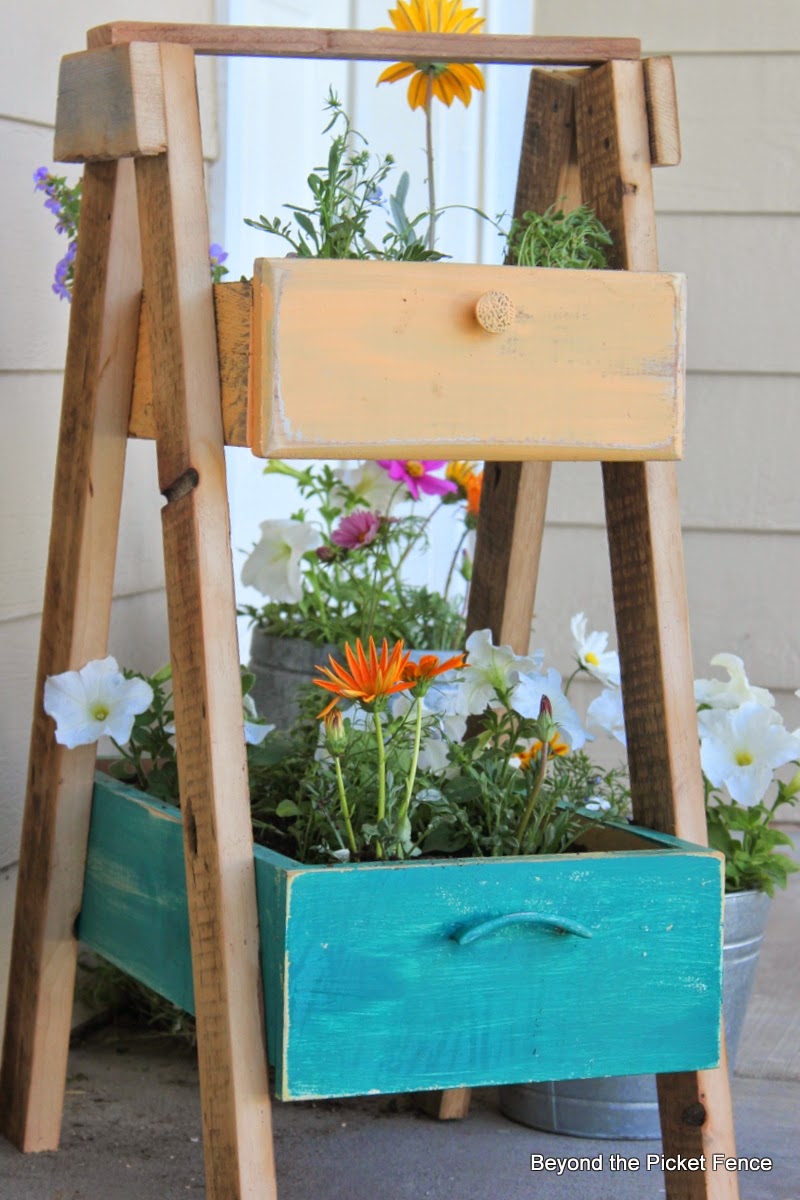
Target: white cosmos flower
592 653
274 564
491 669
526 699
733 691
94 702
606 713
740 748
371 484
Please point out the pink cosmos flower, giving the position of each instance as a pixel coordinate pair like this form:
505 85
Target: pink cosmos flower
416 476
359 529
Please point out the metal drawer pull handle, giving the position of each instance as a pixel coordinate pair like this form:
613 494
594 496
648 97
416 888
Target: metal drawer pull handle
495 312
471 933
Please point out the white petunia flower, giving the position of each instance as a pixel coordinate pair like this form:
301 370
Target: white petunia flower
491 669
526 699
255 730
94 702
274 563
606 713
371 484
596 804
733 691
592 653
449 726
741 748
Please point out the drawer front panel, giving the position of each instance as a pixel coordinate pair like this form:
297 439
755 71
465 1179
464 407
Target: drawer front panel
588 965
388 360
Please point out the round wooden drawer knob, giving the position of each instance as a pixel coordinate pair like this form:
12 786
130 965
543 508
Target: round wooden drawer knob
495 312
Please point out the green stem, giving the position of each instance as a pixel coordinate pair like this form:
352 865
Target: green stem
429 154
577 671
412 774
381 778
453 561
537 787
345 810
322 607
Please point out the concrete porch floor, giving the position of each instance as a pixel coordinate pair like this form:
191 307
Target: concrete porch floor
132 1125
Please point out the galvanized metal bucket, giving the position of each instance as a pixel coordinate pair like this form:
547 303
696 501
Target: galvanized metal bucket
627 1106
281 667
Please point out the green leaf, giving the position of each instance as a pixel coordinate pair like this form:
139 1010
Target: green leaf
287 808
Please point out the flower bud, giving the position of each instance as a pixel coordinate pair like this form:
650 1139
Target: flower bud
545 725
335 733
325 554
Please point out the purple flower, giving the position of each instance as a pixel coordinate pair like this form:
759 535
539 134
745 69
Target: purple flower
359 529
40 178
53 205
217 254
60 286
417 477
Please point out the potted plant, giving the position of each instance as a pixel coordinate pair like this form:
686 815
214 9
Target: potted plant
440 905
743 745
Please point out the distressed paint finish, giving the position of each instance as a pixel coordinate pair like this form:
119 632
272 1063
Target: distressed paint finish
591 368
367 989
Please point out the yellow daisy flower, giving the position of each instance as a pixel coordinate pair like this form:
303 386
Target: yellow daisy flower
447 80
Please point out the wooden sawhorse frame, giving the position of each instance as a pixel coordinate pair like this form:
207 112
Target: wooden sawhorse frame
590 135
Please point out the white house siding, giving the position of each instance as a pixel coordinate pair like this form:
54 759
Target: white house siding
729 217
33 333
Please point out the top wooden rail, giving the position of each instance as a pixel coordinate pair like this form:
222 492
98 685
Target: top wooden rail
264 41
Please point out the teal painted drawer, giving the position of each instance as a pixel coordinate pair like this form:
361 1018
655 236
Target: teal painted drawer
387 978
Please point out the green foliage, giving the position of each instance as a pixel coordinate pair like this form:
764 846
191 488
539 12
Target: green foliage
358 592
345 192
575 240
753 860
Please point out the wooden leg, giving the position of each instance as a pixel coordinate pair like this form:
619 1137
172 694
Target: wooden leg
98 383
212 763
514 496
650 600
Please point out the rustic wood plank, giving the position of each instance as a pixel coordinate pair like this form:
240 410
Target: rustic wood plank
264 41
201 610
644 536
110 104
590 368
662 111
77 604
232 308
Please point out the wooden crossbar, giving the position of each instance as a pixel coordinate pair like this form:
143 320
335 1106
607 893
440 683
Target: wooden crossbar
265 41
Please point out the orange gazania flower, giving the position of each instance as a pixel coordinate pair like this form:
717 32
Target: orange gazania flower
447 80
556 747
473 489
428 667
370 679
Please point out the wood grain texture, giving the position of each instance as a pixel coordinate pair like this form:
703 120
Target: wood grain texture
263 41
110 104
232 310
77 604
662 111
408 1006
643 521
206 686
591 368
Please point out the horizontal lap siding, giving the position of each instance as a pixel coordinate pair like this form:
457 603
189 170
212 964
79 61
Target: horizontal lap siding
729 217
33 334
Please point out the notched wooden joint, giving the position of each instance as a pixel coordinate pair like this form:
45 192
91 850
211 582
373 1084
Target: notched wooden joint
694 1115
184 484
